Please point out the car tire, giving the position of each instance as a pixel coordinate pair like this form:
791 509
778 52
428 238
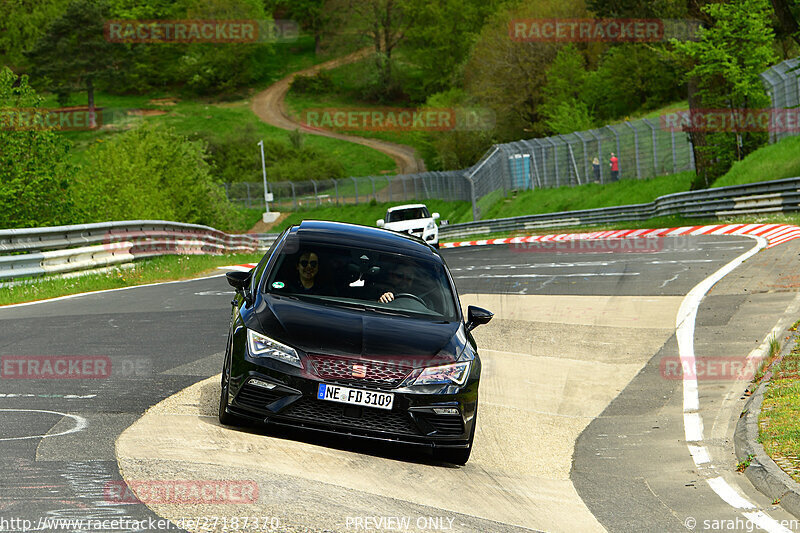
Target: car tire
458 456
225 417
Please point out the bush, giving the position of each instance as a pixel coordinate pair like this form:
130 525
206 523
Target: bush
34 166
319 83
153 173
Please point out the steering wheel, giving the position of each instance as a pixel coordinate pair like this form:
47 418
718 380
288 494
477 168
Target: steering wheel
412 296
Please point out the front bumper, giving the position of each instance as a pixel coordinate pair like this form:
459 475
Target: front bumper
291 401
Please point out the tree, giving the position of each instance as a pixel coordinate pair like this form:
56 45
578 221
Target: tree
786 12
441 38
508 76
34 167
723 73
312 15
22 23
381 24
73 52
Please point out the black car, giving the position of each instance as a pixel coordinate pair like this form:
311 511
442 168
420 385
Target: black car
358 331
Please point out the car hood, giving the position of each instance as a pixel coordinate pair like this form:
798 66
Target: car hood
405 225
331 330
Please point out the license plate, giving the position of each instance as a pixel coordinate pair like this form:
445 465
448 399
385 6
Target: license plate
335 393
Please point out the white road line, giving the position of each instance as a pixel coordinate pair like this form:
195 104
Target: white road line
693 422
80 424
70 296
699 454
729 494
584 275
766 523
693 427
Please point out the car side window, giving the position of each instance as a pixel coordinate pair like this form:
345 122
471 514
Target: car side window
259 269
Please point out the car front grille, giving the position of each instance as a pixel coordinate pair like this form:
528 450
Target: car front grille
341 369
364 418
256 398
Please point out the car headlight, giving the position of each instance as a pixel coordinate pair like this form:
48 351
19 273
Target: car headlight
456 373
430 225
262 346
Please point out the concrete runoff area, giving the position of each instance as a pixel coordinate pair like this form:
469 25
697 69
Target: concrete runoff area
551 365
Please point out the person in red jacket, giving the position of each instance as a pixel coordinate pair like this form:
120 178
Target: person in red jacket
614 162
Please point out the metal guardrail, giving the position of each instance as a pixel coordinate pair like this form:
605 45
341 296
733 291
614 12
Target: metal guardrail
38 251
764 197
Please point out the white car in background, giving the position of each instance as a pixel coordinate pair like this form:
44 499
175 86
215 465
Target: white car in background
413 219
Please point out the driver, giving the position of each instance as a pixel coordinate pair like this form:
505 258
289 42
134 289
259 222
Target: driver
401 280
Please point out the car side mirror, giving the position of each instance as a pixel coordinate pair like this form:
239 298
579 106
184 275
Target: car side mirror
477 316
435 216
239 281
379 223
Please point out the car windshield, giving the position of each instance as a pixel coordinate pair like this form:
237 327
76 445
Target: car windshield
407 214
356 278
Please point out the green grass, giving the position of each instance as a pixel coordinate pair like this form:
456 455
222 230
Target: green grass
348 79
588 196
190 117
165 268
771 162
194 115
779 421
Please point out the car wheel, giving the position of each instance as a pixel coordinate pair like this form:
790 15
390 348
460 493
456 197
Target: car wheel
458 456
225 417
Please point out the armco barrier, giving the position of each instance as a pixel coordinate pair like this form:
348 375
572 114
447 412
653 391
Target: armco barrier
764 197
38 251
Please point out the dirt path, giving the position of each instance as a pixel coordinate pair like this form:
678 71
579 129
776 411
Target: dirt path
270 106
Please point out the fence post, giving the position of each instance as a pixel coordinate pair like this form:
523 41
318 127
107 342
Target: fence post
635 148
247 186
474 200
294 195
316 194
336 188
580 136
655 145
355 183
555 158
389 186
534 162
674 154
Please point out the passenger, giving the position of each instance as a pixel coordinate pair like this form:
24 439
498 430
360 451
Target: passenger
307 270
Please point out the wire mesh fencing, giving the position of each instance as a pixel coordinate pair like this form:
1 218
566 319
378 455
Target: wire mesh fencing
643 149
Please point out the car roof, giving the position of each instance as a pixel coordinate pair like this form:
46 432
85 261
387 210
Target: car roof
322 231
407 206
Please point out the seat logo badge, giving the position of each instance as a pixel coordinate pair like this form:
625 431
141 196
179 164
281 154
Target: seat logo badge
359 371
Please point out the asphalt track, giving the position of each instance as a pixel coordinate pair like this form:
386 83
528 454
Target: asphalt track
580 428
